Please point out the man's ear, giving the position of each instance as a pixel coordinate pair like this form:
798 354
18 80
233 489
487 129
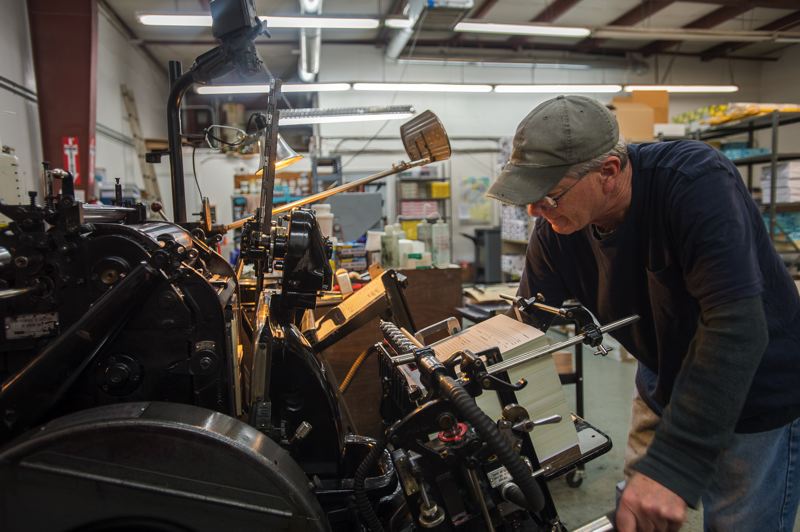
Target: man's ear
609 172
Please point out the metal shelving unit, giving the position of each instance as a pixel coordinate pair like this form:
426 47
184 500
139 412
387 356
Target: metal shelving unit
443 204
748 126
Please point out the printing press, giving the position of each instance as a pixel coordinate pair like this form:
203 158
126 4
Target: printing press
147 384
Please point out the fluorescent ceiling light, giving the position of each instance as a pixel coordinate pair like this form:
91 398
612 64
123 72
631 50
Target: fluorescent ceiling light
398 23
686 34
355 114
339 23
552 89
683 88
263 88
348 23
466 61
315 87
175 20
422 87
522 29
298 121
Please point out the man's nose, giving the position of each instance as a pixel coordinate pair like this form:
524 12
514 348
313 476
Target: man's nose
534 209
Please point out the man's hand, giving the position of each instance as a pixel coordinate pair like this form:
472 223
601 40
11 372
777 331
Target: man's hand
648 506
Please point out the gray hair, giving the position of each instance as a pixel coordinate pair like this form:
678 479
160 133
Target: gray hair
620 150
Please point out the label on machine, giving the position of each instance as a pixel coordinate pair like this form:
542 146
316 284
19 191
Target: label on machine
499 476
31 325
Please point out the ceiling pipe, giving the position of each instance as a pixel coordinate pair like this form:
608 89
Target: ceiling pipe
310 43
402 36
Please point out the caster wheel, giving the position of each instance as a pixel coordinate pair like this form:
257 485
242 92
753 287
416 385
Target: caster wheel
575 478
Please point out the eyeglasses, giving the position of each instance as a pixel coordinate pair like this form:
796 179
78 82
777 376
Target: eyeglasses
551 202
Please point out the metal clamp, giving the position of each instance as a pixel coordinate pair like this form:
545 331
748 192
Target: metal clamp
450 325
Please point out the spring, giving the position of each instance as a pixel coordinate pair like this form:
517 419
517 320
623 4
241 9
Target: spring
395 337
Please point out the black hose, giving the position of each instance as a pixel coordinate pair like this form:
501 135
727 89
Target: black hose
365 509
466 407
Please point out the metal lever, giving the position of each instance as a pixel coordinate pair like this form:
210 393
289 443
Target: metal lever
490 382
602 350
582 318
473 366
528 425
546 350
450 325
303 429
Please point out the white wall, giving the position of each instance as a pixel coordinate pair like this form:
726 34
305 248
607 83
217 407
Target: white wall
19 119
120 62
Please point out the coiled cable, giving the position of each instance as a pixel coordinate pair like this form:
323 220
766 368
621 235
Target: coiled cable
363 504
466 407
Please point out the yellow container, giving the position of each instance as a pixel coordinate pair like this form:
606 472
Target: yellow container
440 189
410 228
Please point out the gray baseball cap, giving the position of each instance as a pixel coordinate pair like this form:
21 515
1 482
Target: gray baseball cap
557 134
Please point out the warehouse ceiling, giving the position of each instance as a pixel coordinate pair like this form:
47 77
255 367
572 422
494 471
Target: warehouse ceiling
720 22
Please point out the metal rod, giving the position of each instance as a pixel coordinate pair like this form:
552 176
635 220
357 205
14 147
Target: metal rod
105 213
773 184
179 84
541 306
11 293
399 360
396 168
521 359
269 156
476 491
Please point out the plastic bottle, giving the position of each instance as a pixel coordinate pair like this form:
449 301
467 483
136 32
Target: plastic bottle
405 246
440 232
389 248
324 218
343 280
424 234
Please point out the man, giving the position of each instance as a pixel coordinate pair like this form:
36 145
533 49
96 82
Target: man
668 231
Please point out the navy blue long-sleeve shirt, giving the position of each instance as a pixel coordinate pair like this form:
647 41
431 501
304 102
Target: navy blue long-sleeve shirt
692 257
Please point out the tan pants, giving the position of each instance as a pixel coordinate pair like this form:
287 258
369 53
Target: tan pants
643 427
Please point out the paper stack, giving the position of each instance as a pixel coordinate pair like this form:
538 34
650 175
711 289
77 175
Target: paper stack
787 182
543 396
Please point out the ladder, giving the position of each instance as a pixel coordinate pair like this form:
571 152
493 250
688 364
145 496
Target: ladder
151 190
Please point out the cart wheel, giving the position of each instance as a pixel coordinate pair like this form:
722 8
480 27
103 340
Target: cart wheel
575 478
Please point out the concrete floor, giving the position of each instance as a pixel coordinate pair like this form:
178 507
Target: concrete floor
608 388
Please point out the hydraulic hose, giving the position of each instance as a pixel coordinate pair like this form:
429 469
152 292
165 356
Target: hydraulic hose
465 406
365 509
348 379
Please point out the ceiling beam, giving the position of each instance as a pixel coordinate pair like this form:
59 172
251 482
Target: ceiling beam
532 47
710 20
478 12
631 17
774 4
546 16
554 10
483 9
395 9
471 44
725 49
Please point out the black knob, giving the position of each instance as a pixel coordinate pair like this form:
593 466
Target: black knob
117 374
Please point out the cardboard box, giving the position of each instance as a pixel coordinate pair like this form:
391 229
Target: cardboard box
658 100
635 120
